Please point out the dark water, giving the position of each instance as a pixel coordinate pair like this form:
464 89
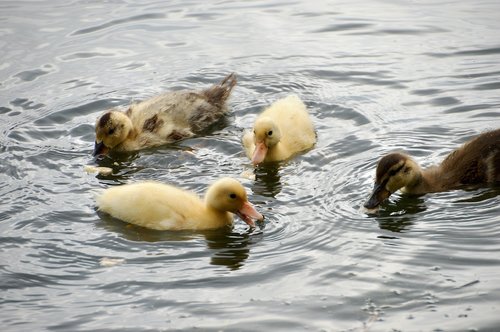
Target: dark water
377 76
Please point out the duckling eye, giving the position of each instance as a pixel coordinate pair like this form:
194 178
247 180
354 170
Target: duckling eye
270 132
232 196
407 169
395 171
111 131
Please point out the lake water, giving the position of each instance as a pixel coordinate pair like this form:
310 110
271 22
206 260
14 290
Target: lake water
377 76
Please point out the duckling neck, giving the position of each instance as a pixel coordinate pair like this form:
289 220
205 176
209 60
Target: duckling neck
216 218
275 151
132 142
425 181
434 178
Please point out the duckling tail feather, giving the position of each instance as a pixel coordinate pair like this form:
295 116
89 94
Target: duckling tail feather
219 93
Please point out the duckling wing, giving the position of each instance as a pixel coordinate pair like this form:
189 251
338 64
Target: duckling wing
151 205
176 115
180 114
211 104
205 115
476 162
295 123
248 143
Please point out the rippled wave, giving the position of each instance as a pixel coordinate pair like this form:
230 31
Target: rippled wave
376 76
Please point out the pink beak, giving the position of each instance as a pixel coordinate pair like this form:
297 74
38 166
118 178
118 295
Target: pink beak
247 213
260 153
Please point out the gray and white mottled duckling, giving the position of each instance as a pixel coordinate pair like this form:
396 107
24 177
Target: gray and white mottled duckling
477 162
163 119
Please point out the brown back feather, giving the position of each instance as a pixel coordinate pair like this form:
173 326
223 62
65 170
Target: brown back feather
472 163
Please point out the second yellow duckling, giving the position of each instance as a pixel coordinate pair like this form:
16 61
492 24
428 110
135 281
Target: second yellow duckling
280 131
474 163
163 119
163 207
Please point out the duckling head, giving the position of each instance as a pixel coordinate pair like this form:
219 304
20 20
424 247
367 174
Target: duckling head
111 129
394 171
228 194
266 135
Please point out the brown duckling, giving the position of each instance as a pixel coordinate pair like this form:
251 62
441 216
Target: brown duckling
476 162
163 119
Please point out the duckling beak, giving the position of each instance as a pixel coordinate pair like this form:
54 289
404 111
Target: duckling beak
100 148
260 153
247 213
379 194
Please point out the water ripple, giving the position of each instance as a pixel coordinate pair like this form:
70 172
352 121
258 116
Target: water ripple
477 52
99 52
376 77
121 21
344 27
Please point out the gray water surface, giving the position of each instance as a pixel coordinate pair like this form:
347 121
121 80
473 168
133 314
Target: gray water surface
377 76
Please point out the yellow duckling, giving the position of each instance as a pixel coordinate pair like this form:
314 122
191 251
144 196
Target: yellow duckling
163 207
282 130
474 163
163 119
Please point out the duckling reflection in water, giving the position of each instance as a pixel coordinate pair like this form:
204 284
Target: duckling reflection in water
281 131
163 207
477 162
164 119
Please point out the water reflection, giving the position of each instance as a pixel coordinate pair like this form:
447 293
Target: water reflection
140 234
125 164
370 86
482 195
122 165
267 180
227 247
398 215
396 225
230 248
